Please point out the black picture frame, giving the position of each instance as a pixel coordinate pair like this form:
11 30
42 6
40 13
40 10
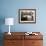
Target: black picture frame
27 15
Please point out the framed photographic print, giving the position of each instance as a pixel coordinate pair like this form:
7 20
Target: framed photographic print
27 15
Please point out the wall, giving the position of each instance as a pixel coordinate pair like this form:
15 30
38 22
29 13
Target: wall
9 8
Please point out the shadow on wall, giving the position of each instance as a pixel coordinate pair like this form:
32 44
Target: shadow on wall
2 21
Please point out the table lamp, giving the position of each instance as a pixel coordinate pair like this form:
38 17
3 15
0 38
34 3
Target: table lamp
9 21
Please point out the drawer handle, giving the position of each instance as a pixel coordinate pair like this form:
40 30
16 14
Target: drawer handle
33 42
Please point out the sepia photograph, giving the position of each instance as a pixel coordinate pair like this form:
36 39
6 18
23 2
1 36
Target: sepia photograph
27 15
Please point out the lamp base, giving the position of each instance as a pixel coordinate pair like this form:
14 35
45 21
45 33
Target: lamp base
9 33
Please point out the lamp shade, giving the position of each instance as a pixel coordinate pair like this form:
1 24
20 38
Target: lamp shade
9 21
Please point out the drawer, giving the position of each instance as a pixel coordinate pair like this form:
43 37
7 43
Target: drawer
33 43
9 43
13 43
28 37
16 37
37 43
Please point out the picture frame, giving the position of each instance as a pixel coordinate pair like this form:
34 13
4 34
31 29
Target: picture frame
27 15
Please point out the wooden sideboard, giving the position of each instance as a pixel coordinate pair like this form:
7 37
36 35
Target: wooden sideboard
20 39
